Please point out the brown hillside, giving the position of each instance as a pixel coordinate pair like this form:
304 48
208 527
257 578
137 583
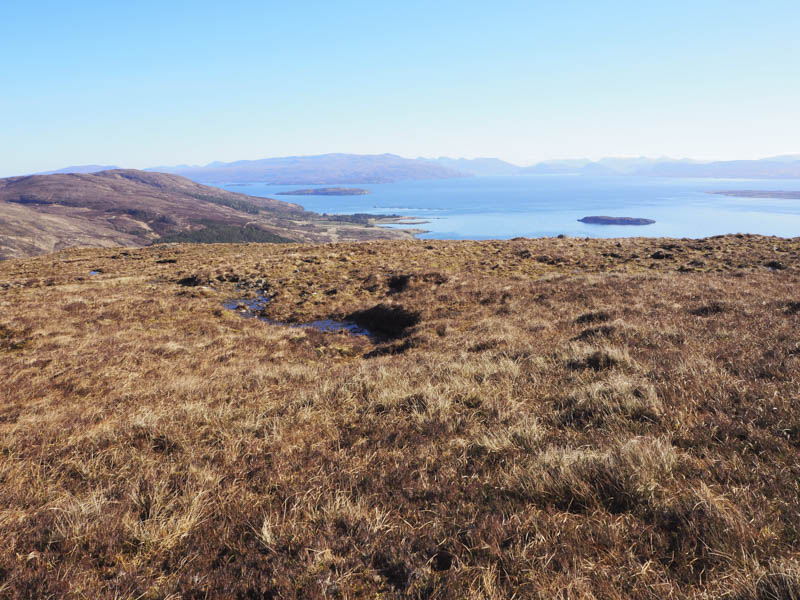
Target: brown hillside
43 213
553 418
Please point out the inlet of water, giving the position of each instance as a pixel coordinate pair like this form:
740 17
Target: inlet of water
250 308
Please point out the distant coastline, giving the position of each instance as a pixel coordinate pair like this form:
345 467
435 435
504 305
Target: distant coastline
507 207
760 194
326 191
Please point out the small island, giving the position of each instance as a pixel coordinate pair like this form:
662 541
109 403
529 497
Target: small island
603 220
326 191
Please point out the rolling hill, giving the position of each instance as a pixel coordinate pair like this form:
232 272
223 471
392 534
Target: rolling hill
43 213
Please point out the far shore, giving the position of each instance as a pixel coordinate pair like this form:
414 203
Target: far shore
780 195
325 191
402 220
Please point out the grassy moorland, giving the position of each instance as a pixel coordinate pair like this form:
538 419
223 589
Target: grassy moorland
551 418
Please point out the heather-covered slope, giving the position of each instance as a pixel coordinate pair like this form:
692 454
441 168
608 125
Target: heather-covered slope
539 419
42 213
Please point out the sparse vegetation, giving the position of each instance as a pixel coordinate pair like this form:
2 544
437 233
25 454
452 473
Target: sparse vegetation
229 201
359 218
595 426
146 215
218 233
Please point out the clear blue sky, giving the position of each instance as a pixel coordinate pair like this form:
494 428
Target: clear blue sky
147 83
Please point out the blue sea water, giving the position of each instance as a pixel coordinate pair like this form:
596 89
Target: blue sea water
537 206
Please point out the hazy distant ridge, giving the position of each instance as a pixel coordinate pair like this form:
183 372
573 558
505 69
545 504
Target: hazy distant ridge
320 169
85 169
483 167
768 168
757 169
327 169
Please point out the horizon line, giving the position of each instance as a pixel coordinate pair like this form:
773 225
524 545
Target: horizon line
223 164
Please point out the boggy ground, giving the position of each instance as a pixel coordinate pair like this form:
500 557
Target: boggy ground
553 418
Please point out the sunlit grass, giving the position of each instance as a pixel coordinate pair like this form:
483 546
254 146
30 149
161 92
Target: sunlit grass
583 429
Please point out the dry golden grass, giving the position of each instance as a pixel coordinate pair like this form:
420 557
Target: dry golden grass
561 419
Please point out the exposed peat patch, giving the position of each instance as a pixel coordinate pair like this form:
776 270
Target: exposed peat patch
385 320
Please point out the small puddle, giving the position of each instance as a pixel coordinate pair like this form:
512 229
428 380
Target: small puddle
332 326
251 308
247 307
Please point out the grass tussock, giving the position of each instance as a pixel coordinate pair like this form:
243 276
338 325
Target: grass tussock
630 475
780 579
617 396
535 419
598 358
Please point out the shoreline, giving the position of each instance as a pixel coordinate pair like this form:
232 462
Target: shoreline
383 223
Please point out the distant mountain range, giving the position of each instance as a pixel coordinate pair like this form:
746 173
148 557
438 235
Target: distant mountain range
776 167
386 168
481 167
750 169
321 169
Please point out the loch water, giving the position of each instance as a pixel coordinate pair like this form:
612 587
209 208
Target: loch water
549 205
